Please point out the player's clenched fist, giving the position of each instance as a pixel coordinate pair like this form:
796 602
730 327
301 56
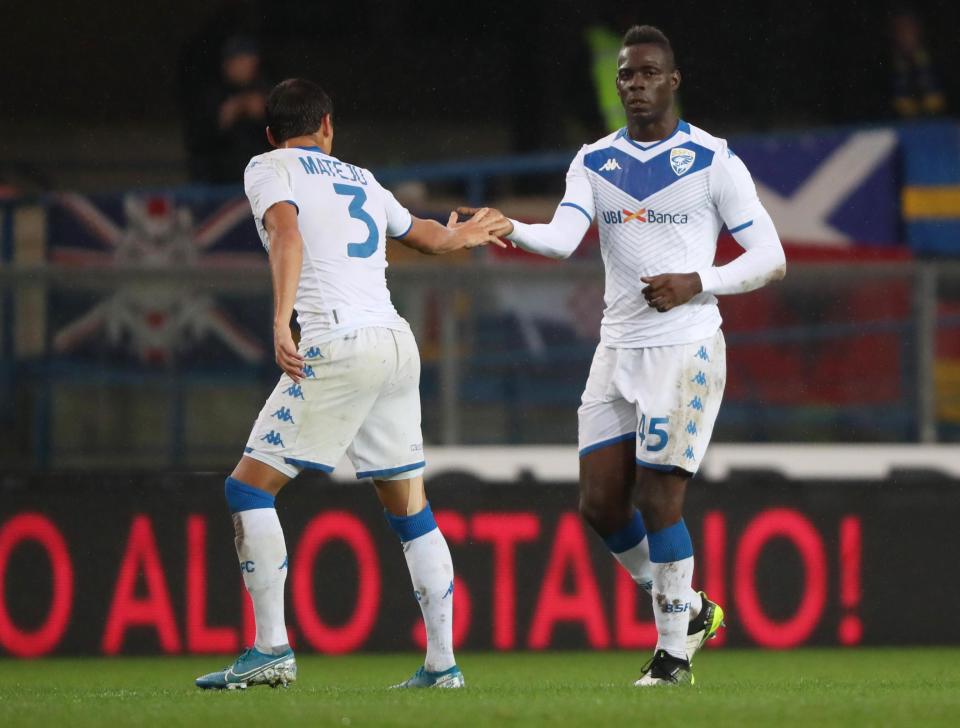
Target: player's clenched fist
669 290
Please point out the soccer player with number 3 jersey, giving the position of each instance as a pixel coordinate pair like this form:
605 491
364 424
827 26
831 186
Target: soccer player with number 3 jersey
352 385
660 190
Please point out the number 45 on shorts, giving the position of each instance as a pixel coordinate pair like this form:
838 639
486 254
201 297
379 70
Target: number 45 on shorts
655 438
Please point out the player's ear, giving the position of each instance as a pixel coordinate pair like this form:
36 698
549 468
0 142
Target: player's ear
271 139
326 132
675 79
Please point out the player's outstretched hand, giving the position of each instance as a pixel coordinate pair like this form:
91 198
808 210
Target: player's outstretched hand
670 290
479 230
502 223
288 358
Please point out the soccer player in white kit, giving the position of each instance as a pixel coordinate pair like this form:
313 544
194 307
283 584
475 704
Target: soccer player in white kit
352 386
660 190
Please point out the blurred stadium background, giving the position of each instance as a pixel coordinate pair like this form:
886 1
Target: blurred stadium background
135 307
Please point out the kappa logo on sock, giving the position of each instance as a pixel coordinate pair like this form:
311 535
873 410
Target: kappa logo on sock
449 590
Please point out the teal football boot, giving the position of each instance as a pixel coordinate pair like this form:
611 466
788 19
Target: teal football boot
253 668
422 678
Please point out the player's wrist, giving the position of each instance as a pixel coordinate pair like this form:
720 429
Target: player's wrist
709 279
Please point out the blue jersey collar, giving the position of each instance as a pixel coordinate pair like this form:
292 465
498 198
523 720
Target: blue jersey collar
682 127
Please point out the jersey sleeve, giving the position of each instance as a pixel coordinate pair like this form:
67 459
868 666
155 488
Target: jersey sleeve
573 217
579 192
399 219
738 205
266 183
733 191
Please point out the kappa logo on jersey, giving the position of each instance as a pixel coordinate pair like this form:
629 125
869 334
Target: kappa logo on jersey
610 165
648 215
681 160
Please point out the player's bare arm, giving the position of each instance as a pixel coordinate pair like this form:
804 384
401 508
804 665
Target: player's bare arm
432 238
286 262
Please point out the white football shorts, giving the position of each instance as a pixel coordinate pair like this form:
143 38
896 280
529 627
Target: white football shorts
667 397
360 396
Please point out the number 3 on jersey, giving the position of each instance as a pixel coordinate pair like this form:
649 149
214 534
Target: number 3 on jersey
655 431
369 246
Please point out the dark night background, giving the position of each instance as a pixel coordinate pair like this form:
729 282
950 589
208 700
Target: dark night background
521 67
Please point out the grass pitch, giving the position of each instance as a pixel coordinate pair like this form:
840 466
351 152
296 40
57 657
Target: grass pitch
734 688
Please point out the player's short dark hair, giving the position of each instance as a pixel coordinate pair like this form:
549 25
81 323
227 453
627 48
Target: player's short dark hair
649 34
296 107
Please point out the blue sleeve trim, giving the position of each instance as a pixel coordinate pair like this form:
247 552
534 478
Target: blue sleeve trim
604 443
411 527
243 497
390 471
310 465
404 233
577 207
738 228
627 537
656 466
295 205
670 544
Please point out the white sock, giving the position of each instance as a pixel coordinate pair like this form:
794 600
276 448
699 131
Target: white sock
672 602
636 561
431 572
263 562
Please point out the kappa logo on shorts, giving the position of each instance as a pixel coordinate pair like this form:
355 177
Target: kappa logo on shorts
273 438
692 427
702 354
294 391
283 414
700 379
696 404
688 454
313 353
308 372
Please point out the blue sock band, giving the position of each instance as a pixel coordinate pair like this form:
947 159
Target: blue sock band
628 536
411 527
671 544
243 497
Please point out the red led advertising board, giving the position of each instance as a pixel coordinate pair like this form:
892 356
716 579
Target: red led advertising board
108 564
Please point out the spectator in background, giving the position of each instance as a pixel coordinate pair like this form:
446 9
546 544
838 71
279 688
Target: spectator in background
916 89
230 127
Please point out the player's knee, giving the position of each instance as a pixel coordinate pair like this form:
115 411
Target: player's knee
600 513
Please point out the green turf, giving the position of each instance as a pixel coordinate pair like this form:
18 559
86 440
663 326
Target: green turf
806 687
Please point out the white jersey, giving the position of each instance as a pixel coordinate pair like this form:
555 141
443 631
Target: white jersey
660 208
344 219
